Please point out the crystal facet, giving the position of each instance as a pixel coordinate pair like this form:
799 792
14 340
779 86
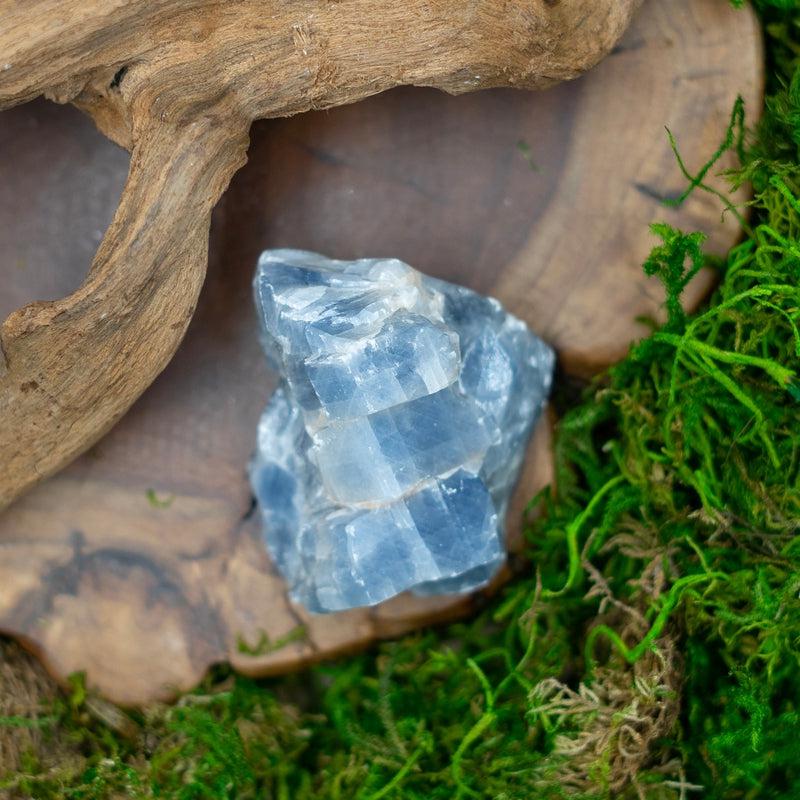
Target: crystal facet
386 458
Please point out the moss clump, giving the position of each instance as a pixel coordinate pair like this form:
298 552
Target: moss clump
655 650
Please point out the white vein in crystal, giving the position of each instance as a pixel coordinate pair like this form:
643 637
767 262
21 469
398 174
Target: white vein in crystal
386 458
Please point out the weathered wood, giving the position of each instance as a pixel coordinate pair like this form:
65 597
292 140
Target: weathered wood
178 83
143 598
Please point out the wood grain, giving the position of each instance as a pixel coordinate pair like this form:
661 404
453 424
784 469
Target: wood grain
93 576
178 83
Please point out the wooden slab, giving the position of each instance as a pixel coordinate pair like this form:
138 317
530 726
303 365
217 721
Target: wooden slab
141 563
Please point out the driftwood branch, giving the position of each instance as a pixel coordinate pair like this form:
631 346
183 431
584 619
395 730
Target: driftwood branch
178 82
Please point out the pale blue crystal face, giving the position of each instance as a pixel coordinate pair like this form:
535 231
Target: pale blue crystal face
386 459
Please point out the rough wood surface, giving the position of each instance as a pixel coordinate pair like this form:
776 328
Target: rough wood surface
93 576
178 82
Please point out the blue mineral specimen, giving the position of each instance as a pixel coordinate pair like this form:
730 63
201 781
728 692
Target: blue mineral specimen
386 458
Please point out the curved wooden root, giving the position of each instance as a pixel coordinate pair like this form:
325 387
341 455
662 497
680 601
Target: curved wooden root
71 368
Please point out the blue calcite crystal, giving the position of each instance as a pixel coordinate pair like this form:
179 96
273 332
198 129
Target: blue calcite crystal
386 458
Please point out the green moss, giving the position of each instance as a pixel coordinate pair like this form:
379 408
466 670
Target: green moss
654 649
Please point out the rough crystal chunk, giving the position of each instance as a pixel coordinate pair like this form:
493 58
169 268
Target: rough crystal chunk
386 459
